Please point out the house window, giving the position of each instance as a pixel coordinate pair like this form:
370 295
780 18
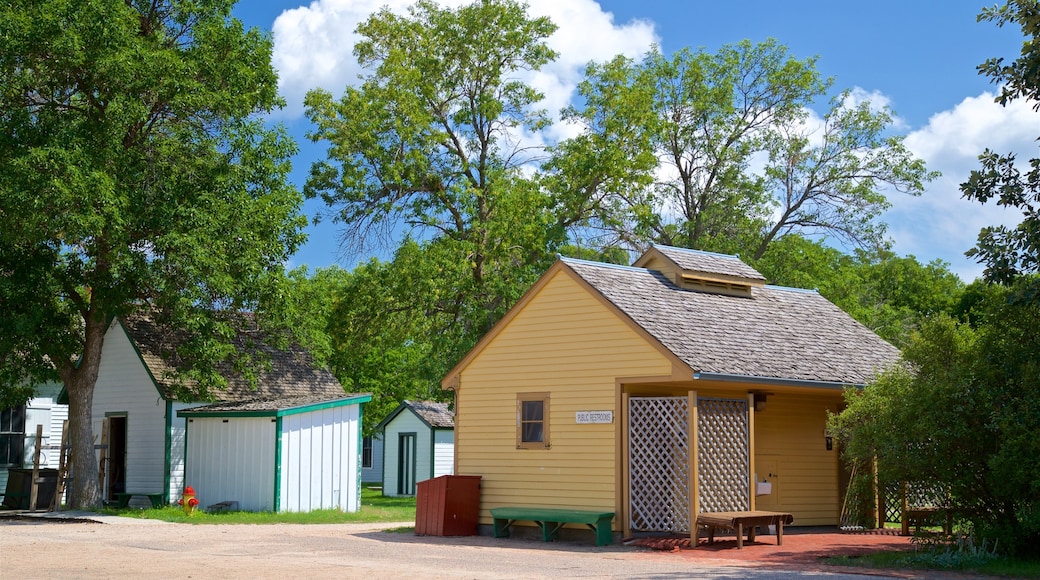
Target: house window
12 437
532 421
366 452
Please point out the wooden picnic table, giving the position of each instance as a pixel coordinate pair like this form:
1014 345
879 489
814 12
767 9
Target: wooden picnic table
741 522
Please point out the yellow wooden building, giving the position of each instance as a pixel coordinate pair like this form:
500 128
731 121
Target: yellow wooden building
661 390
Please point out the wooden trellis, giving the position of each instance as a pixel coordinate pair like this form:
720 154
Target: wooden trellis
723 455
659 474
659 446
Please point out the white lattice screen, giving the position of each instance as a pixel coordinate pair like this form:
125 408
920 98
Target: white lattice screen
659 474
722 455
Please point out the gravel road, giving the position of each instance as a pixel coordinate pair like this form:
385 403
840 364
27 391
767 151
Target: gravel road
112 547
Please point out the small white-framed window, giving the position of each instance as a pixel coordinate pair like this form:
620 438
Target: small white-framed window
12 437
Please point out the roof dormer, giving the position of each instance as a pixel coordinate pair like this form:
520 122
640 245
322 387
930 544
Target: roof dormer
702 271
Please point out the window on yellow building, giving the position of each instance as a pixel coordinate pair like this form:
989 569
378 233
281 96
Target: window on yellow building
532 420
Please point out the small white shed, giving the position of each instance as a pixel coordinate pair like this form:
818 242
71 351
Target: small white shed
418 444
296 454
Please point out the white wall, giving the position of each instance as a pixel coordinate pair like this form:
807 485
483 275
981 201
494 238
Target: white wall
124 387
320 460
43 409
443 452
178 451
374 474
232 459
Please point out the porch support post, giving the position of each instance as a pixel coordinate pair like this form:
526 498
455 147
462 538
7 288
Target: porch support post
751 451
693 467
626 487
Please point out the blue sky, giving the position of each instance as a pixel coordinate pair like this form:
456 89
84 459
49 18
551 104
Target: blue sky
916 56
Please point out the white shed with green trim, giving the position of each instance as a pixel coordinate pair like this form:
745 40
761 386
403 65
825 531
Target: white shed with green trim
296 454
418 444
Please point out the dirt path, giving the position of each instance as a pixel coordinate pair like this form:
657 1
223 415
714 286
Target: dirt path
130 548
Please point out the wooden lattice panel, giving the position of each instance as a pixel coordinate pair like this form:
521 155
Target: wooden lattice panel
722 455
659 466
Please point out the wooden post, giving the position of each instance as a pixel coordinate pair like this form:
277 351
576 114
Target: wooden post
626 488
63 467
904 520
751 451
35 487
877 517
102 462
694 496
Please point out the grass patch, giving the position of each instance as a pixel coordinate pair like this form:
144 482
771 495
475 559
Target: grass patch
929 560
375 507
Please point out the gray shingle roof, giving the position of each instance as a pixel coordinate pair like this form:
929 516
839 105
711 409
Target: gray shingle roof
710 262
292 374
777 333
438 415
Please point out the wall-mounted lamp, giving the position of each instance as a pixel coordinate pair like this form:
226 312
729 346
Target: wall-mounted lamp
760 402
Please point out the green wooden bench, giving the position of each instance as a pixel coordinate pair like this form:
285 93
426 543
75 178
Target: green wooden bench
123 499
551 520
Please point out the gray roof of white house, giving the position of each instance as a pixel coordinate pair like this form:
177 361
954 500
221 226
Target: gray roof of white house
292 371
777 333
438 415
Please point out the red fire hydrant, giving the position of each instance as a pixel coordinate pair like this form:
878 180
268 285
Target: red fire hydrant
189 501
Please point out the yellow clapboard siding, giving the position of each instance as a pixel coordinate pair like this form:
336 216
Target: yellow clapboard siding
566 343
790 431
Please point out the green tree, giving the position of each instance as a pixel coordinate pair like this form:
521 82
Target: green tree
134 175
668 142
1009 252
962 417
428 146
892 295
382 330
828 181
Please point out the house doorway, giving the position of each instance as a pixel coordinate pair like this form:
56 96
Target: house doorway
406 444
116 455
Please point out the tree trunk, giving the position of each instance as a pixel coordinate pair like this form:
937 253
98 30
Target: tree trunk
84 490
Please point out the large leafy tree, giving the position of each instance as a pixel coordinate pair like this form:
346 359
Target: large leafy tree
134 175
892 295
961 418
668 146
1009 252
431 144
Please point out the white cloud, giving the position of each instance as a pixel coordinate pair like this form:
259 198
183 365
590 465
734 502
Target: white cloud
313 46
877 100
940 223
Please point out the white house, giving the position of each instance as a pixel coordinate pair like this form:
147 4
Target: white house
18 434
418 444
146 437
